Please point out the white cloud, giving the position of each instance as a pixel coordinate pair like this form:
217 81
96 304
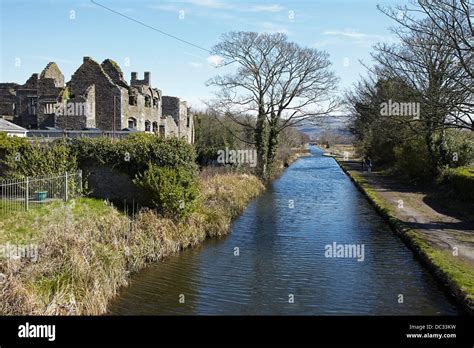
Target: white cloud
359 38
266 8
322 43
346 33
87 5
209 3
165 7
215 60
96 6
195 64
226 5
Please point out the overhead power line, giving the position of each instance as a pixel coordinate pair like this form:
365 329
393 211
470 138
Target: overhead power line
150 27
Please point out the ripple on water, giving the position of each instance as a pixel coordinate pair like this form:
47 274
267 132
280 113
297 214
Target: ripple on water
282 253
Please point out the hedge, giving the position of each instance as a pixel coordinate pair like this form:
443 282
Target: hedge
133 154
20 158
462 180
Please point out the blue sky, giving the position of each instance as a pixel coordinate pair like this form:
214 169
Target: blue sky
38 31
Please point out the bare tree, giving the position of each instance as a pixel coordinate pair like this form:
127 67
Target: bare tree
444 27
427 65
374 134
276 85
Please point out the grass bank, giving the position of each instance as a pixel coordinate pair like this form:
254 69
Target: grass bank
87 249
456 274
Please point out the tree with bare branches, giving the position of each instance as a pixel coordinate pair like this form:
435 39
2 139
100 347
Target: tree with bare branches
443 28
277 84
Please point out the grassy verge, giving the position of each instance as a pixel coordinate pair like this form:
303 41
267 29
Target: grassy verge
88 249
462 181
454 273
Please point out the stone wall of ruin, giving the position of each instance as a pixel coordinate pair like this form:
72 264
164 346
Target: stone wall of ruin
105 95
91 73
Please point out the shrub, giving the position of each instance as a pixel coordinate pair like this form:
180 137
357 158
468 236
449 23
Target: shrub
462 181
8 147
173 191
19 158
138 156
413 160
132 155
460 147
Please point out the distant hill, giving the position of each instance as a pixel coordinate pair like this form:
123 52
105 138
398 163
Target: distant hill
335 125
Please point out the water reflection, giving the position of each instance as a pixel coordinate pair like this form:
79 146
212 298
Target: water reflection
281 254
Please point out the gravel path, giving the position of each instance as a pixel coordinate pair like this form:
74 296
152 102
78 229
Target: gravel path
439 221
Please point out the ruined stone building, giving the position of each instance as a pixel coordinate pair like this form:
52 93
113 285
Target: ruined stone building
96 97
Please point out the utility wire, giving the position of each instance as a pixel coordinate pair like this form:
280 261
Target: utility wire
160 31
150 27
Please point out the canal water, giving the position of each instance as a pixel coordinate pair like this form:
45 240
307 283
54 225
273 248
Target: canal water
277 260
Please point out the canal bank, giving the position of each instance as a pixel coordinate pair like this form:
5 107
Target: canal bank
88 248
444 243
275 260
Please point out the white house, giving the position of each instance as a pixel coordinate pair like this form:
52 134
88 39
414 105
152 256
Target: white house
12 129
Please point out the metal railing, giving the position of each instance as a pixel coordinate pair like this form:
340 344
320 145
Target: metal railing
21 194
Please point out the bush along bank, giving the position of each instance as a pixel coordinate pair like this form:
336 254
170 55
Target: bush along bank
456 275
461 180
